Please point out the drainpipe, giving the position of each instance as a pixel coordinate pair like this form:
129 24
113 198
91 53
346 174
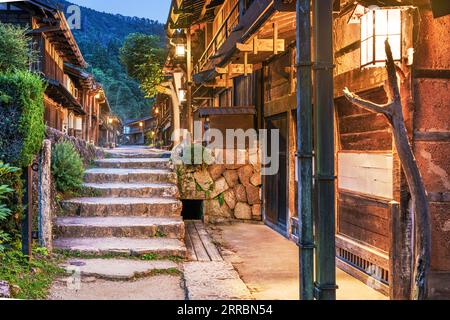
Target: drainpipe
304 152
325 286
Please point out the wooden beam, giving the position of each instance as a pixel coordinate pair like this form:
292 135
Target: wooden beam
235 69
220 83
275 38
263 45
203 12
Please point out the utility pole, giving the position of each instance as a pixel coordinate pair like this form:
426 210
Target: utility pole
189 117
325 285
304 152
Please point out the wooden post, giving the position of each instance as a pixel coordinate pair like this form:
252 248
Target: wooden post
400 253
325 176
275 38
304 153
189 116
44 208
27 222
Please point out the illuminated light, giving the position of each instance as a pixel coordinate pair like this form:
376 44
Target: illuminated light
141 124
377 26
97 96
156 111
110 120
182 95
180 50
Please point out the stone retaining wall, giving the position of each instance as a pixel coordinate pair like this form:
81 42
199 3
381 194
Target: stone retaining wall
229 192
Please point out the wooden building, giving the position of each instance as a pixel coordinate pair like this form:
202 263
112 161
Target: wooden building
243 75
137 131
74 102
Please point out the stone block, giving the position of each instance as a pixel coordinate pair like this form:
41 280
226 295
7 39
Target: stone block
245 173
243 211
241 194
253 196
232 177
230 198
204 180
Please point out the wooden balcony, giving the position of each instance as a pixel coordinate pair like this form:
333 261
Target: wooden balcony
224 31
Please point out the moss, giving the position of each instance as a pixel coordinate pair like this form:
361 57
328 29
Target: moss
31 279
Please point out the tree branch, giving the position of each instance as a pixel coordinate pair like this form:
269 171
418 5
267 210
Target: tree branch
368 105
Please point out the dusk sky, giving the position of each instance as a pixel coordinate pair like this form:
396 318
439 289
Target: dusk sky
152 9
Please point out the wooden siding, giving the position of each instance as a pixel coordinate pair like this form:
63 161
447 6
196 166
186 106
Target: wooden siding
361 130
368 173
364 219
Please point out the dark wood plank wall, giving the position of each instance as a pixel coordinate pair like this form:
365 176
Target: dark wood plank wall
276 80
364 219
244 94
361 130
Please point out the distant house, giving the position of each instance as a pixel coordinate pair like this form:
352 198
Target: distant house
74 102
136 130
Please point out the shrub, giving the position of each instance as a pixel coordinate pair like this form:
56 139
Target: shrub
21 117
67 167
192 155
14 49
11 209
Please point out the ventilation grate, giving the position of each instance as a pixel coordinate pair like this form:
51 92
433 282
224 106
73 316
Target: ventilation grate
364 265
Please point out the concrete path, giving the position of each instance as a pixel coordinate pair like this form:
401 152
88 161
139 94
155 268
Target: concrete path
268 264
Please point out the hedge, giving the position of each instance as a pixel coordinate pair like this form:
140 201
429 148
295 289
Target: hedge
21 117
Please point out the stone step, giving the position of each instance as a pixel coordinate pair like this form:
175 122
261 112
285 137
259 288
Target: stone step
135 190
124 163
133 227
136 153
162 247
129 175
117 269
101 207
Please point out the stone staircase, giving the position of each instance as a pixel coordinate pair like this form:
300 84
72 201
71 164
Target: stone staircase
136 210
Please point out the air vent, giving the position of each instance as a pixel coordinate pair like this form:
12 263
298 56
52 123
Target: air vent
364 265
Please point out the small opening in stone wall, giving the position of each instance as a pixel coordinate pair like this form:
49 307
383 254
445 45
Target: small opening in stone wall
192 210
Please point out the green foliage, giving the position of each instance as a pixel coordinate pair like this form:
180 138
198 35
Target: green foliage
100 39
14 48
11 209
67 167
221 199
21 117
31 278
143 58
196 154
150 138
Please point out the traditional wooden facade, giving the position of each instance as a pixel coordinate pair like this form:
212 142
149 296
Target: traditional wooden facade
74 102
243 64
136 131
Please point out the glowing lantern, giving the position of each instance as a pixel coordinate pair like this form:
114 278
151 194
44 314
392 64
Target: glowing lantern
377 26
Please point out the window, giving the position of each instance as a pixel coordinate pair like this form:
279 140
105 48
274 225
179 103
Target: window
377 26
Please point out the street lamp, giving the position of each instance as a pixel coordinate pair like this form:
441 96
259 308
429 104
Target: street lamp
180 50
377 25
179 40
182 95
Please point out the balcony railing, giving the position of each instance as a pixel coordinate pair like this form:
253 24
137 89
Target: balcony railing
224 31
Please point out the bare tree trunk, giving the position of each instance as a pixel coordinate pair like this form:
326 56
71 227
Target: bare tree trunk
422 227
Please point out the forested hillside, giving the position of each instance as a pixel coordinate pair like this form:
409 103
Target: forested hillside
100 38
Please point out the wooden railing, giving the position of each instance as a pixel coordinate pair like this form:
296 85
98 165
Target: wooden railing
224 31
